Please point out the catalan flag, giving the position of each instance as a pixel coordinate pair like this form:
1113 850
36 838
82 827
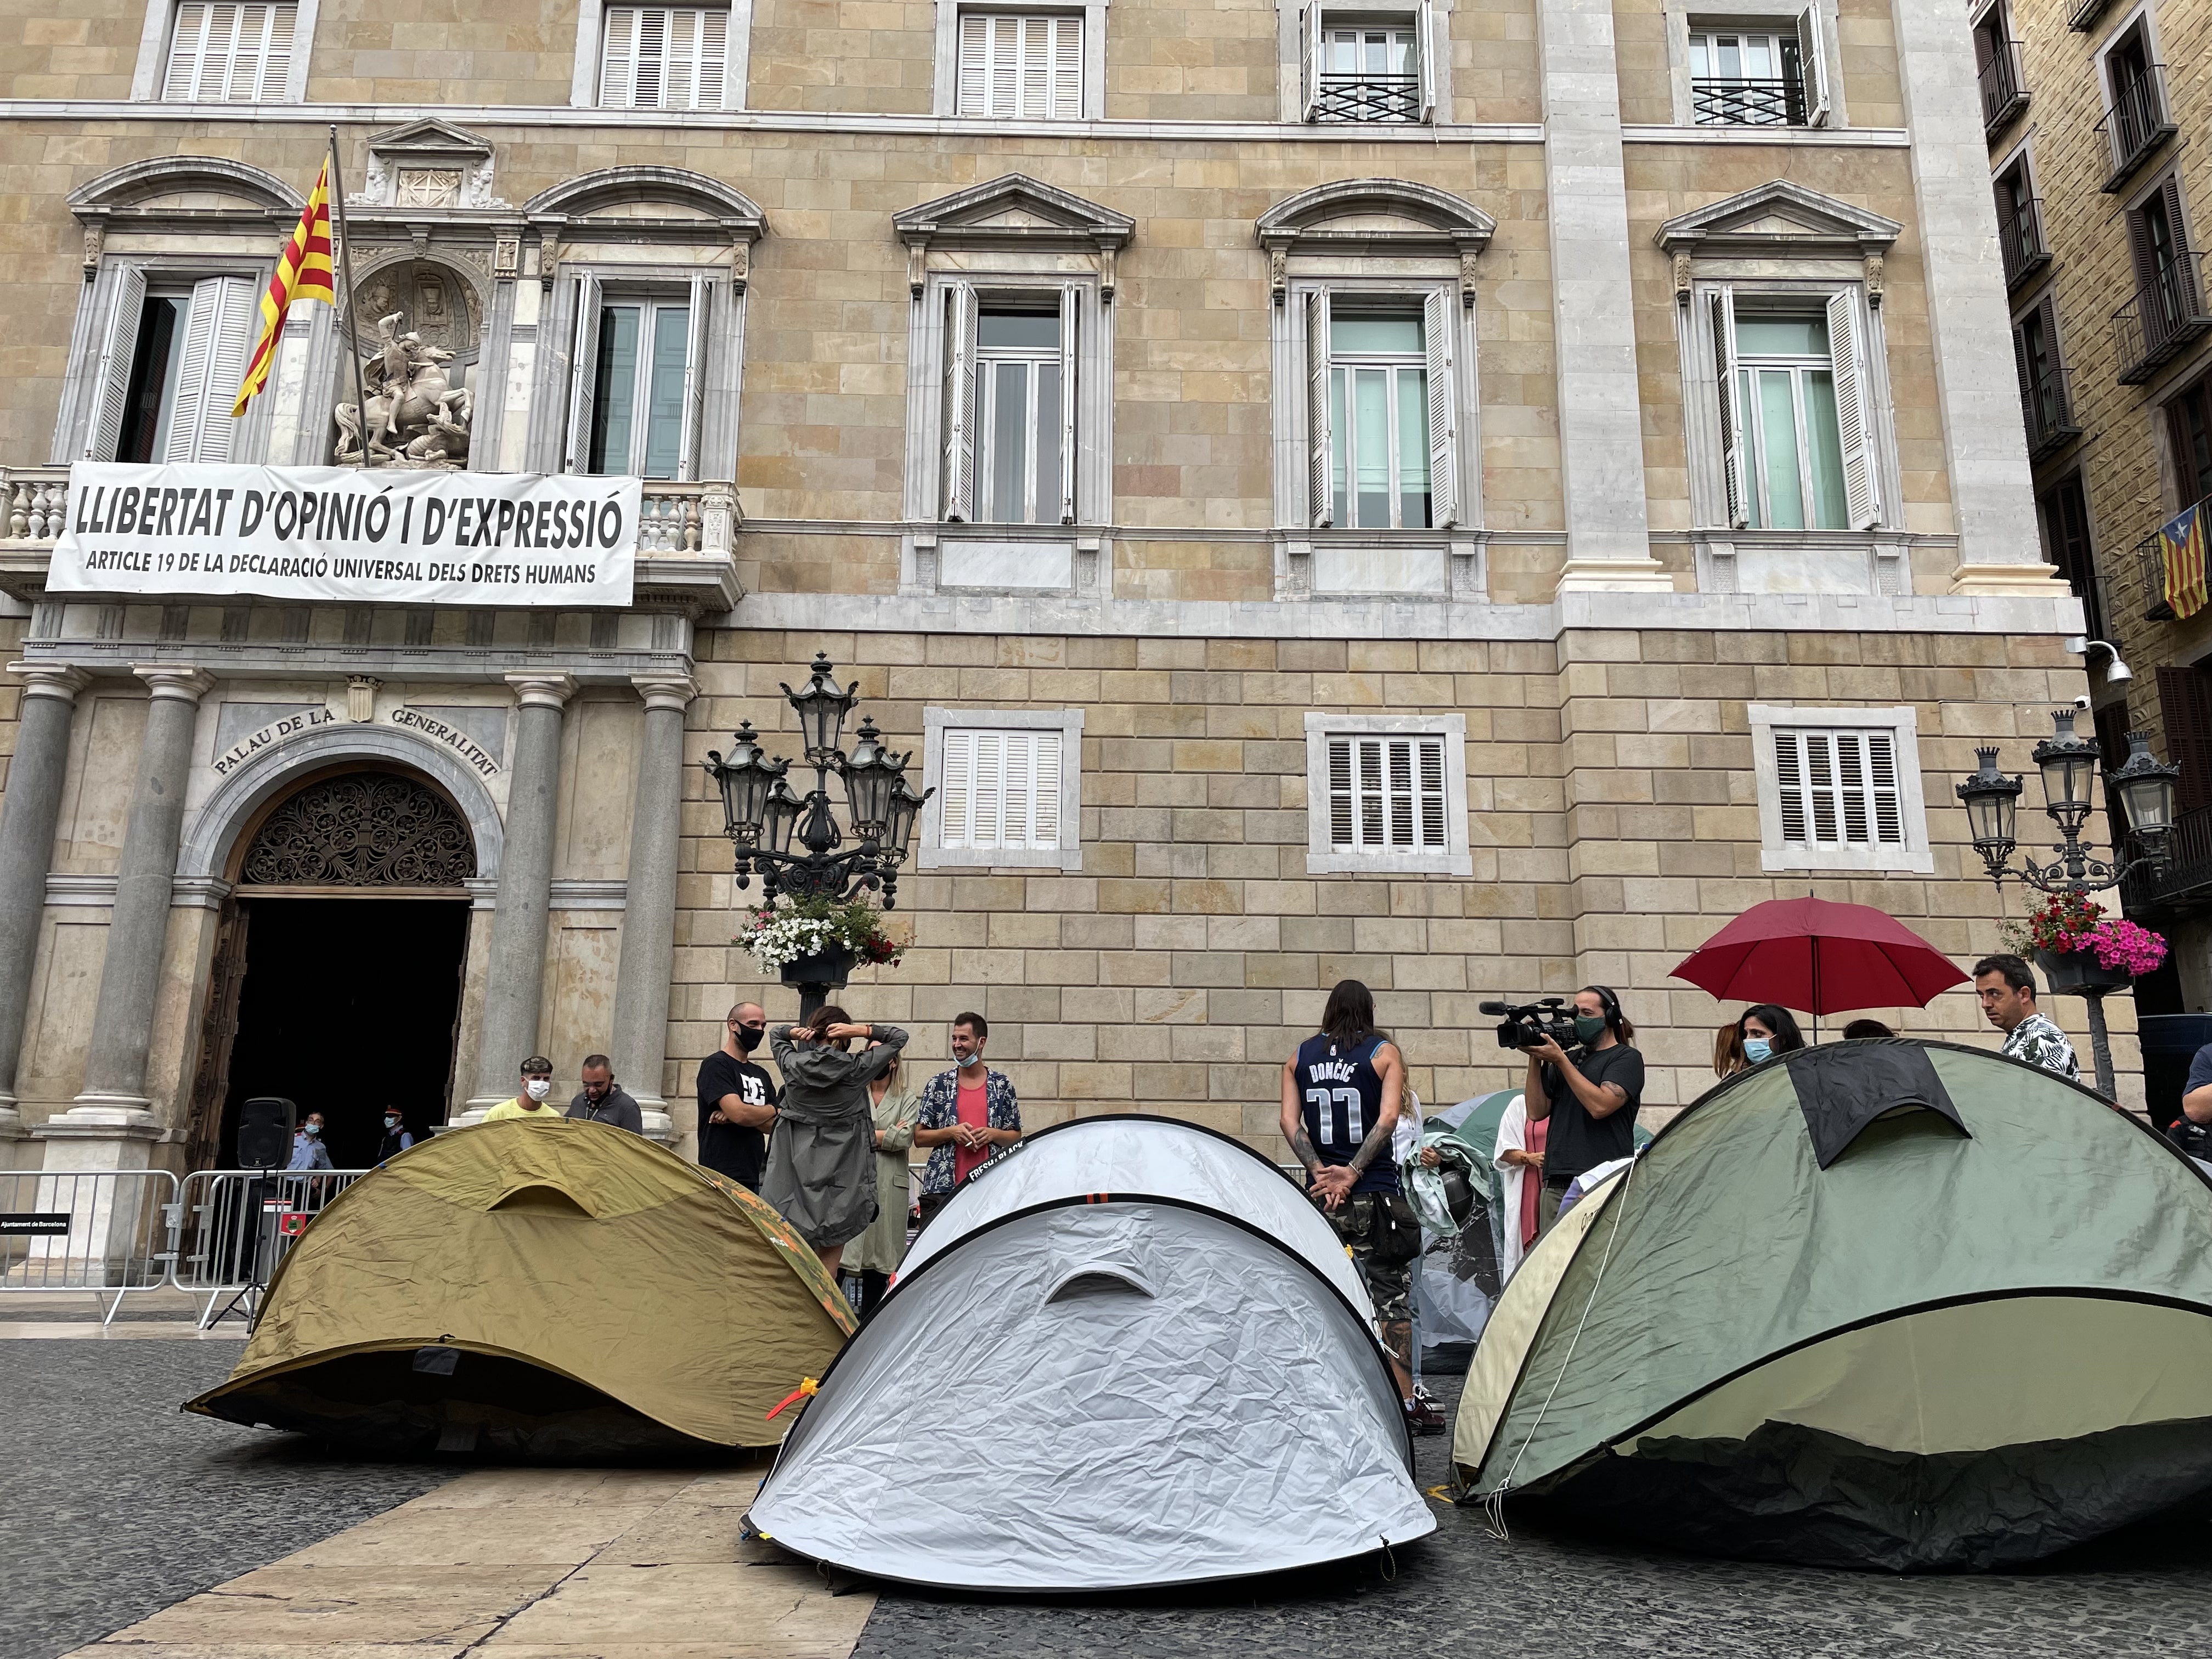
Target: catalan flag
303 272
2181 554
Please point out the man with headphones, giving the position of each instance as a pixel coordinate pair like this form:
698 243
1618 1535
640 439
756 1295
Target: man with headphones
1590 1097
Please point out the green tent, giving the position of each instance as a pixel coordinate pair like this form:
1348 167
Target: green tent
1890 1304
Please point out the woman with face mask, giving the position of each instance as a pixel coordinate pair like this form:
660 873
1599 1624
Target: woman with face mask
1589 1098
1764 1031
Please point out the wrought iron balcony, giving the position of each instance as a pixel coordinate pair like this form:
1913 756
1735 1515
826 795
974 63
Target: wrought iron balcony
2004 92
2048 405
2021 239
2083 13
1722 103
2184 880
2164 317
1369 97
2140 121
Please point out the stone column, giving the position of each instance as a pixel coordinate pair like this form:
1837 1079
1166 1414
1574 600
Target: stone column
648 944
1969 319
1593 304
514 975
27 816
111 1123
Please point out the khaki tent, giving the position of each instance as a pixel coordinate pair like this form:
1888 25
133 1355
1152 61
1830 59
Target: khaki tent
550 1289
1887 1304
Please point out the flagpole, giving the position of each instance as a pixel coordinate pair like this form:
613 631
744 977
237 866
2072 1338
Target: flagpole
352 314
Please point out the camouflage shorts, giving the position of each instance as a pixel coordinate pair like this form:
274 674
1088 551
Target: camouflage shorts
1365 1221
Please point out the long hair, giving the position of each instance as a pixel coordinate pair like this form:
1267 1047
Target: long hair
1728 1049
1788 1039
1614 1017
1348 1018
827 1015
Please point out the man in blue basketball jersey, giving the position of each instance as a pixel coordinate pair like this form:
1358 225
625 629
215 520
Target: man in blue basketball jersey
1341 1094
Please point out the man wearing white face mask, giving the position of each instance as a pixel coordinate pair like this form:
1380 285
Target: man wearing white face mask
969 1115
537 1086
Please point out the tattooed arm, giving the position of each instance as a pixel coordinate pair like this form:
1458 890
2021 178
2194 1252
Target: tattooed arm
1392 1070
1293 1121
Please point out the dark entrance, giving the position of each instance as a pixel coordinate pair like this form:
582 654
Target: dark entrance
337 977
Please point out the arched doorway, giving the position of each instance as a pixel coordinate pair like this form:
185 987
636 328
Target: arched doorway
337 979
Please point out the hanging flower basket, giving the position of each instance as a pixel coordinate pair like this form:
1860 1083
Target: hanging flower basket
2078 972
2081 950
818 943
828 968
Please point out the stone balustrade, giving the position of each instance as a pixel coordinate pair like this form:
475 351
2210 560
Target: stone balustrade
36 497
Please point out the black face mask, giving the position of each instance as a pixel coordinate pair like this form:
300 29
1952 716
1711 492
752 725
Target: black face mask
749 1039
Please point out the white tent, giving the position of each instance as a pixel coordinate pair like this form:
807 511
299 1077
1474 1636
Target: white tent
1095 1388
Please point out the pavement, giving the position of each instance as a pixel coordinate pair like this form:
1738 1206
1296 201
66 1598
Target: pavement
195 1538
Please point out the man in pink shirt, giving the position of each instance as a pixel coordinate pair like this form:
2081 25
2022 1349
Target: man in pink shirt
969 1115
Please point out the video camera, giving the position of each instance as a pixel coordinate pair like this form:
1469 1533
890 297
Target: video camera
1530 1024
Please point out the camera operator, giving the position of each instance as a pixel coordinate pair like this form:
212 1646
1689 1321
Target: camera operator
1590 1097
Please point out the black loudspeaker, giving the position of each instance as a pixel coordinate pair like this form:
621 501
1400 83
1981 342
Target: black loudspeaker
265 1132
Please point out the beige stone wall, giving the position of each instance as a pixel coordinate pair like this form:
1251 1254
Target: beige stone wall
1614 828
843 56
85 53
444 51
1495 76
1168 61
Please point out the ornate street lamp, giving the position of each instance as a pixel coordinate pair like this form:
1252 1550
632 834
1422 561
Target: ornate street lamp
2067 762
762 815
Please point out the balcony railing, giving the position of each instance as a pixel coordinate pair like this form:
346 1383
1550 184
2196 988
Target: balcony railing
2048 405
2141 120
2186 880
1718 103
34 498
1369 97
2164 317
2004 93
2083 13
2021 239
2148 564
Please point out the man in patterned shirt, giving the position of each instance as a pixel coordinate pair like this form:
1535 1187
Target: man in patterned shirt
969 1115
2007 989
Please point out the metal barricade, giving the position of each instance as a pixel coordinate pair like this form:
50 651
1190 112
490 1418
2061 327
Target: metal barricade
232 1227
86 1233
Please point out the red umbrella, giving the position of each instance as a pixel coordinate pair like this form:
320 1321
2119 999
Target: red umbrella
1821 956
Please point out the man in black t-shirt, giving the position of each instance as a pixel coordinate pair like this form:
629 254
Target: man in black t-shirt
1590 1098
737 1100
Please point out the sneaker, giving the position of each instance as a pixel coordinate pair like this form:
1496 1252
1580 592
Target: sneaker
1424 1415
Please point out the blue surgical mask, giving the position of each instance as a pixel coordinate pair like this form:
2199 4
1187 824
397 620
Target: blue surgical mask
311 1129
1757 1050
966 1059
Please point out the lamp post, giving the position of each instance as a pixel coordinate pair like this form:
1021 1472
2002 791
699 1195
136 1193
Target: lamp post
2068 762
762 815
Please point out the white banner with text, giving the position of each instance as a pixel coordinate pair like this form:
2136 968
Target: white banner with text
343 534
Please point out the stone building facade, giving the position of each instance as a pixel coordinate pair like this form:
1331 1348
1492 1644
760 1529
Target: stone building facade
2100 204
1468 495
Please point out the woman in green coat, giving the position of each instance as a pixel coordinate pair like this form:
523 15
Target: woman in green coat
876 1254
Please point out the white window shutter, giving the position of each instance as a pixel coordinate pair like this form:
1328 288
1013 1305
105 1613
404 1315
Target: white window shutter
188 408
276 62
1820 783
695 378
986 798
1732 482
1431 781
583 374
1005 58
960 404
975 83
1882 788
1309 64
714 59
680 82
235 314
1318 506
248 50
1071 329
1067 69
956 789
188 48
649 72
1045 762
1812 64
1342 831
112 386
618 58
1862 490
1790 773
1425 57
1442 369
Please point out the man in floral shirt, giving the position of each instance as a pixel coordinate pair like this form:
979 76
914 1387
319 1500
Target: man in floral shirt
969 1115
2007 989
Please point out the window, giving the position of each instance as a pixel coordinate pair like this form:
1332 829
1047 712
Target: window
1758 76
2063 513
663 57
1996 61
1007 793
2185 711
1795 438
1367 66
2189 426
638 392
1839 789
230 54
2019 225
1027 65
1387 793
2044 398
2168 309
170 369
1010 407
2137 120
1381 411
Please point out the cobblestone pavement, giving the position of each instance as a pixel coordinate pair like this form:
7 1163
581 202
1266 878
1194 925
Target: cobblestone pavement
1460 1591
115 1503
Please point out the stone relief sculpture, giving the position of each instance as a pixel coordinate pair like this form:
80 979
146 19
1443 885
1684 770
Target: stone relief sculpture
416 417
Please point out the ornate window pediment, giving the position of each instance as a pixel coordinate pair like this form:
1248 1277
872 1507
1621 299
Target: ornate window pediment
1372 218
1015 214
183 193
1779 220
427 164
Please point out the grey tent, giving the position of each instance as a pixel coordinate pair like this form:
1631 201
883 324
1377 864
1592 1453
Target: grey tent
1889 1304
1098 1389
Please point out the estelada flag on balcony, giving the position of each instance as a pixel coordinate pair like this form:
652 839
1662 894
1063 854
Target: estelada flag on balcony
2181 555
303 272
